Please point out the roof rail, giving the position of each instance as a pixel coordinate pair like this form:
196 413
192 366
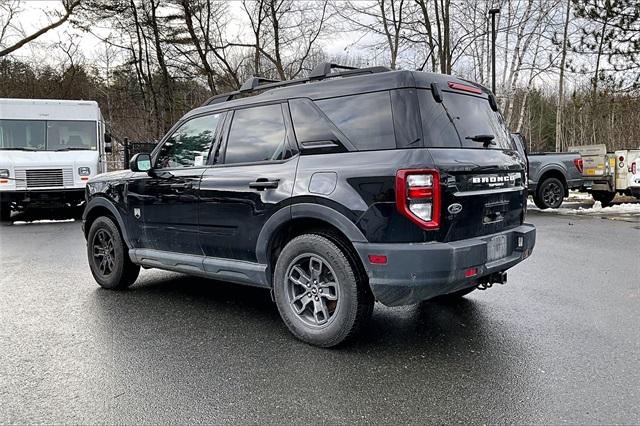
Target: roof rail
320 72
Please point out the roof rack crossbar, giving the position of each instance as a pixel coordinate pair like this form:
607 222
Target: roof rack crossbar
323 69
253 83
320 72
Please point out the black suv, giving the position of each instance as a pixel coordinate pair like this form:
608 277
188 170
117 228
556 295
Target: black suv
333 191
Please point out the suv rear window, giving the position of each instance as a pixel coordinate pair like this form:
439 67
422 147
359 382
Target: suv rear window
365 119
452 123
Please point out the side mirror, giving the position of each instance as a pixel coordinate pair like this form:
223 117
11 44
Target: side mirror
107 143
140 163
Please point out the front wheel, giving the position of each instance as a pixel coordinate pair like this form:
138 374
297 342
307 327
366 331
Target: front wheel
550 194
108 258
320 295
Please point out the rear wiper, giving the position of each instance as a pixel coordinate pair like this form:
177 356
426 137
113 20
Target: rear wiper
485 139
73 148
18 148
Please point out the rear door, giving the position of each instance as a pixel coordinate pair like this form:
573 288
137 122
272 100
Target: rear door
482 175
252 180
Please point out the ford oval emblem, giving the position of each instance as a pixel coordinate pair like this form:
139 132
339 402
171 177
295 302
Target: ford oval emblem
454 208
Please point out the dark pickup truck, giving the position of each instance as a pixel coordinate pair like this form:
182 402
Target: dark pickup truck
551 174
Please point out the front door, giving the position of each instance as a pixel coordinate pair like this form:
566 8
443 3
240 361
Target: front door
253 180
167 199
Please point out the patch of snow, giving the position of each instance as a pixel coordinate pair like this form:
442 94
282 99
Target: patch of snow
577 195
595 210
22 222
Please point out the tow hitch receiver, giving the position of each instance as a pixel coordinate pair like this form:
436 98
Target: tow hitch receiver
489 280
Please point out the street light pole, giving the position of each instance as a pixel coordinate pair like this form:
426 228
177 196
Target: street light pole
493 13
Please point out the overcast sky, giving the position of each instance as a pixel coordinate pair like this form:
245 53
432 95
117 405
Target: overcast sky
33 17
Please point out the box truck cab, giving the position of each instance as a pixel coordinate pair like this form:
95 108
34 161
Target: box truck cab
49 149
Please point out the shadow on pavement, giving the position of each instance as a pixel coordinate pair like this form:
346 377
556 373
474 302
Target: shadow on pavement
229 307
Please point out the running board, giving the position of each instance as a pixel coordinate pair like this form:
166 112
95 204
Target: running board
235 271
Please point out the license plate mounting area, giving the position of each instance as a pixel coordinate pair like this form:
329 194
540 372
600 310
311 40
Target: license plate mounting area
496 248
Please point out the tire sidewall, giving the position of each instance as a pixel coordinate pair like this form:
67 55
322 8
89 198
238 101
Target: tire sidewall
547 182
112 280
345 316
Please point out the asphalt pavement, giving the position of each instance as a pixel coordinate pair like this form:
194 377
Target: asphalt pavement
560 343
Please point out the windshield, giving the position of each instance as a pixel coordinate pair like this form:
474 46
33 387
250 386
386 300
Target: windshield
49 135
462 121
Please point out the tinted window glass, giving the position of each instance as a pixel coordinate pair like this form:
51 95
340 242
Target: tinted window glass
365 119
63 135
189 145
437 128
309 124
459 118
256 134
473 116
22 134
406 118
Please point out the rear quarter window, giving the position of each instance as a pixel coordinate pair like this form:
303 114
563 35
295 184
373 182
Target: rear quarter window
365 119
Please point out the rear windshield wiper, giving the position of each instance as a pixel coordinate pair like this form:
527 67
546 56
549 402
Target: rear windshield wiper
485 139
18 148
73 148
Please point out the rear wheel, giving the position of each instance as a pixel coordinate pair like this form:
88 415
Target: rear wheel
108 258
550 194
604 197
319 294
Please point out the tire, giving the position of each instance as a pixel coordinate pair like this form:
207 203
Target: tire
604 197
315 312
108 257
5 212
550 194
456 295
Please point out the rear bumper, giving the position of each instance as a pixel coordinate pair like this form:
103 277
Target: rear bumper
420 271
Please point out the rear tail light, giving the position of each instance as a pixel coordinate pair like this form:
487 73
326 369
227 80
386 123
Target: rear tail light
578 163
418 196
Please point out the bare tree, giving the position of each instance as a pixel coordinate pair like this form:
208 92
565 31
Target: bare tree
285 33
384 18
62 17
563 60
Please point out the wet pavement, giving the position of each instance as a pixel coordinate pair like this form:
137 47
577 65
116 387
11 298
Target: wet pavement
559 343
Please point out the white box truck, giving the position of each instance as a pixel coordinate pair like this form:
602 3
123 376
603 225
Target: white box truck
49 149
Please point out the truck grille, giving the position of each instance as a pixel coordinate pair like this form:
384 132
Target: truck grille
44 178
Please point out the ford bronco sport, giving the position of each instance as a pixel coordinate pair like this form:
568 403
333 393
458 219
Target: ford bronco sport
332 191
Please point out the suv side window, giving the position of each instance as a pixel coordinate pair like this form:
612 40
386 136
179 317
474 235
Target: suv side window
257 134
365 119
190 144
309 123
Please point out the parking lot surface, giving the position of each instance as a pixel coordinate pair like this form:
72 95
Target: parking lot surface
559 343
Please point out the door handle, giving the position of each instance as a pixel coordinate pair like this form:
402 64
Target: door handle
187 185
264 183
